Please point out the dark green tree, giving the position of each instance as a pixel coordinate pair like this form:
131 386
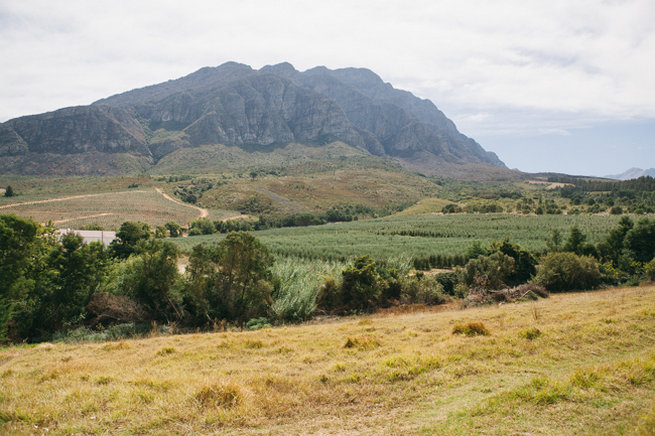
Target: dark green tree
77 269
173 228
9 192
612 248
361 285
554 243
152 280
18 247
232 280
128 236
640 240
575 242
202 226
524 262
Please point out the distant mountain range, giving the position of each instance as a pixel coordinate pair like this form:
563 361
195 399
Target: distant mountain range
633 173
255 110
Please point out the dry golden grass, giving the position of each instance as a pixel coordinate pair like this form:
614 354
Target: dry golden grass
590 370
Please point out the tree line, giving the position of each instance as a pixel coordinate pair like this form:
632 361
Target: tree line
50 285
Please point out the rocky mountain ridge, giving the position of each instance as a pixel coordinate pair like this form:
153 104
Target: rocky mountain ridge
235 105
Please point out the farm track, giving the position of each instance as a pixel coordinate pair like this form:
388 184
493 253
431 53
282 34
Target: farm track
70 197
83 217
203 213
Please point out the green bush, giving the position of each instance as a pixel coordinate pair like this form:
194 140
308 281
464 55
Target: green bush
201 226
295 291
258 323
361 287
559 272
649 268
471 329
488 272
530 334
421 290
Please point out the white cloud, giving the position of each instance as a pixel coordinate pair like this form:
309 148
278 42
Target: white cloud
552 63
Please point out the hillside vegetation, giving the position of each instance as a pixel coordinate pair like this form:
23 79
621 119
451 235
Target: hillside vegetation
579 363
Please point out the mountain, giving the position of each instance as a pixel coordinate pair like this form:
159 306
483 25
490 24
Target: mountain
255 110
633 173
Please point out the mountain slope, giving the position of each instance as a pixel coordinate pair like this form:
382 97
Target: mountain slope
633 173
235 105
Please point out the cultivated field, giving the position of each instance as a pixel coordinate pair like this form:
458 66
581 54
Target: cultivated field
108 209
419 235
579 363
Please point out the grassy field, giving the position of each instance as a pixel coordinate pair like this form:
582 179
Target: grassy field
419 235
579 363
108 209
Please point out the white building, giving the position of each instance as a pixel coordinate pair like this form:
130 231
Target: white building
104 236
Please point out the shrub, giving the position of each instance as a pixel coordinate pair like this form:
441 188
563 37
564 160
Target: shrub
360 288
107 309
448 281
219 395
565 271
488 272
421 290
531 333
451 208
471 329
201 226
362 343
258 323
650 270
295 291
531 291
329 295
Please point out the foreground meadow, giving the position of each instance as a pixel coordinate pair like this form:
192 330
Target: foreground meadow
580 363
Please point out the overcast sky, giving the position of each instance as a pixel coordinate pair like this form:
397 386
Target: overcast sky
552 85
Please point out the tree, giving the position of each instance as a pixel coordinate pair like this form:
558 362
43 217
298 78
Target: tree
613 247
489 272
361 284
524 262
640 240
160 232
128 236
173 228
576 241
9 192
202 226
18 247
554 243
232 280
150 278
77 269
475 250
